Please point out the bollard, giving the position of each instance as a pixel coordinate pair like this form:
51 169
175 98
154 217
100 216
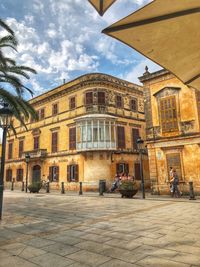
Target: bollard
47 187
62 188
22 186
101 188
192 196
12 186
81 189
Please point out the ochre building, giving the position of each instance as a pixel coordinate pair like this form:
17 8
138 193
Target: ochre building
173 130
87 131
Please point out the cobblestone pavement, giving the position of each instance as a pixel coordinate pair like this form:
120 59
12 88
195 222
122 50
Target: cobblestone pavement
54 230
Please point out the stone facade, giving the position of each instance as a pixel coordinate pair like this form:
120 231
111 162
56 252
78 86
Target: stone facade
76 139
173 130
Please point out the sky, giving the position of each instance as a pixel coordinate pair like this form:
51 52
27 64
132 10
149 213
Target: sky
62 39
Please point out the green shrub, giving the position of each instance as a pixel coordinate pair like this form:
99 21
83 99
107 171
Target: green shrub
128 185
35 187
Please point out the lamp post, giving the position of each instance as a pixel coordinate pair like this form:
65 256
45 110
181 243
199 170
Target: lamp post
27 159
5 122
140 143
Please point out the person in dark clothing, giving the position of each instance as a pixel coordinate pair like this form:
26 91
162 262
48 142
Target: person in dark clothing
175 183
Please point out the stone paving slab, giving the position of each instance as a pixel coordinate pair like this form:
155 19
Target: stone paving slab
70 230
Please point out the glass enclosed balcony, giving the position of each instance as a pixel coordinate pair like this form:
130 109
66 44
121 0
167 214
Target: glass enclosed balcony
95 132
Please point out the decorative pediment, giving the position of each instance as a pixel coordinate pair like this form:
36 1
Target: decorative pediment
167 91
36 131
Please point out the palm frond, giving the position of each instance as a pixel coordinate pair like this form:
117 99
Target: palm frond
6 27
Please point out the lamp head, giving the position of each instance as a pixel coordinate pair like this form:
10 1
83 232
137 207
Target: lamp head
27 157
5 115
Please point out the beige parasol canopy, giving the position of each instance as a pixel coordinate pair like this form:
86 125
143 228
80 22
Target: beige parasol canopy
101 5
167 32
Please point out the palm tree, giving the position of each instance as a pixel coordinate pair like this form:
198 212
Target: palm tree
10 75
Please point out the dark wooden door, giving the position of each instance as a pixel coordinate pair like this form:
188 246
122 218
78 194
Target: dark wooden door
137 171
36 173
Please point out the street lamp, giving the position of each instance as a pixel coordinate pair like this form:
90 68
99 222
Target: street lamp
27 160
5 122
140 143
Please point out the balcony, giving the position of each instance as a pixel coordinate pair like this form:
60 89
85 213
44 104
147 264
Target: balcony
36 154
96 109
95 132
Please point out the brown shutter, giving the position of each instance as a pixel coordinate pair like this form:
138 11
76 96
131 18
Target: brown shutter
89 98
135 136
50 174
119 101
57 173
126 167
21 148
10 150
76 173
36 142
72 138
8 175
137 171
42 113
117 168
121 137
54 146
68 173
101 98
133 104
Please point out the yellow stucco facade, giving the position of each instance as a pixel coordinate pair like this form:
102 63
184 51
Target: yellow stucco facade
173 130
86 132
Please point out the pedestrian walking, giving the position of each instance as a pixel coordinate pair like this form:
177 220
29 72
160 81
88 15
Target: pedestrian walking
175 183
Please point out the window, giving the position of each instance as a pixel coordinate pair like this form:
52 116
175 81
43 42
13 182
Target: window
135 136
120 137
54 174
89 98
8 175
72 102
54 142
36 142
137 171
20 173
10 150
133 104
174 161
168 114
54 109
101 98
21 148
119 101
122 168
72 173
41 113
72 138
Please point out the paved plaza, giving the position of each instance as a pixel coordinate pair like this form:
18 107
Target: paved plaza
54 230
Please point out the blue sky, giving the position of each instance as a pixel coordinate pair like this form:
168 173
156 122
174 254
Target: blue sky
62 39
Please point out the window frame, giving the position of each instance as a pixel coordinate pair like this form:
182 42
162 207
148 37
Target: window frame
72 105
10 150
75 169
21 148
91 97
19 174
9 175
168 108
100 97
37 137
136 104
54 109
72 138
121 139
119 101
54 144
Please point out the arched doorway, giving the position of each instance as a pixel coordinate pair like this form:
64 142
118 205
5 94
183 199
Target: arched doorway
36 173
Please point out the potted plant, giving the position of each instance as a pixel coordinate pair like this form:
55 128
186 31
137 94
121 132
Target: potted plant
35 187
128 188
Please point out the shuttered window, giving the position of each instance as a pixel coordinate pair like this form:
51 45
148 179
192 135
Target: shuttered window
21 148
10 150
54 142
72 173
72 138
135 136
8 175
101 98
120 137
89 98
174 161
168 114
41 113
137 171
20 173
54 109
133 104
72 103
119 103
54 174
36 142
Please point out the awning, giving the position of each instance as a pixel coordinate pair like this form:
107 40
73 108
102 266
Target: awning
167 32
101 5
